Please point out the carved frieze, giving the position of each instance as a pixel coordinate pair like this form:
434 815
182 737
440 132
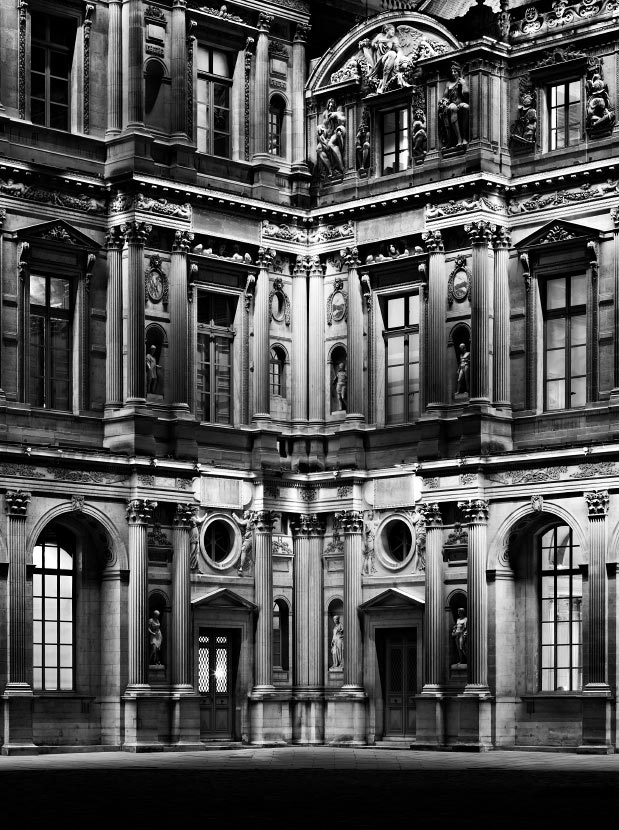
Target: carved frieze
47 196
122 202
595 470
222 13
530 476
87 477
87 26
584 193
458 536
25 470
562 13
336 545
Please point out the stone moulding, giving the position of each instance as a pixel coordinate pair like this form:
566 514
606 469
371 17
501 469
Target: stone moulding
47 196
563 14
584 193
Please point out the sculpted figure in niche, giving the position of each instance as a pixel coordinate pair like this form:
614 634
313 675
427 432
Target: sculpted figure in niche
331 134
387 57
155 639
341 384
247 526
337 644
194 545
152 374
363 148
600 117
453 110
420 136
459 633
463 370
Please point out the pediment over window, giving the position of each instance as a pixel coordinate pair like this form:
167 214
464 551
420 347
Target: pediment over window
224 598
354 58
558 231
394 598
58 231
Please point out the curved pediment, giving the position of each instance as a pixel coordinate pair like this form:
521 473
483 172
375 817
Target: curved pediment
383 53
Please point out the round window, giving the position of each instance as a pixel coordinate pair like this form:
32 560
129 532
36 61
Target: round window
218 542
396 544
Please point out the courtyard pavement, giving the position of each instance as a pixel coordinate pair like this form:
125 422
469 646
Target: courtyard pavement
317 787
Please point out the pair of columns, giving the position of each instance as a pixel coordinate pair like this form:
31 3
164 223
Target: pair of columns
489 366
125 373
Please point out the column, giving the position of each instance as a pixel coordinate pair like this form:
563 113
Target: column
480 235
354 403
307 543
114 328
476 515
135 85
114 69
178 320
263 659
262 316
434 633
298 94
351 524
437 293
139 515
299 340
316 350
20 623
179 70
501 384
181 598
597 504
136 234
261 84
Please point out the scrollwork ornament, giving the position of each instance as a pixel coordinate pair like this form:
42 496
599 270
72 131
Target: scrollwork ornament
307 524
597 503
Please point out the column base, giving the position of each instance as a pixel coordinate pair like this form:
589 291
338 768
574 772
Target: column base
146 720
473 724
308 718
430 719
596 719
483 428
184 716
18 704
183 437
346 717
130 430
270 722
264 452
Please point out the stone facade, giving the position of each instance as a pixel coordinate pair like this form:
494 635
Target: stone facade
309 374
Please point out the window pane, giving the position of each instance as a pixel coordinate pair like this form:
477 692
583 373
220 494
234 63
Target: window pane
51 679
65 586
66 633
51 588
574 91
578 392
37 631
578 290
555 334
395 313
66 679
51 609
578 361
65 560
66 656
555 364
37 290
578 330
548 656
389 123
59 293
65 607
548 680
413 309
220 63
555 394
555 294
395 408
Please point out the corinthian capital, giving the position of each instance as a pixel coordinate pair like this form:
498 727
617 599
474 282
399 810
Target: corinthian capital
316 269
182 242
501 237
302 32
263 521
114 238
140 511
135 233
265 21
432 515
350 257
475 511
351 521
480 232
433 241
265 258
307 524
597 503
184 513
16 503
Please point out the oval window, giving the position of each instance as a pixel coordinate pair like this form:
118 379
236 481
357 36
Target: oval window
338 304
398 540
218 541
277 306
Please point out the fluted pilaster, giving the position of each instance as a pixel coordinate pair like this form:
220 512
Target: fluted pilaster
434 627
299 340
354 408
179 69
179 358
316 370
135 234
262 315
135 90
298 93
114 329
263 657
597 504
351 524
501 385
480 236
16 504
181 592
437 292
261 84
476 515
307 542
114 69
139 515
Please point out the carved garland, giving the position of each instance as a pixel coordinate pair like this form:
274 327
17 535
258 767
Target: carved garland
341 313
88 12
278 291
190 46
459 293
21 91
249 50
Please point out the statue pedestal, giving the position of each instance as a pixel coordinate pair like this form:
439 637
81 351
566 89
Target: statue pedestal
430 721
270 717
18 701
308 723
471 724
346 717
145 718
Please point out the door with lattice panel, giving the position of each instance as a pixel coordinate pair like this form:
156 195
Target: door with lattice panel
400 677
217 665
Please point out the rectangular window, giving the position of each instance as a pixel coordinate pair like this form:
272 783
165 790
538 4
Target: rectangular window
401 336
213 101
50 342
214 357
565 342
395 141
561 612
564 114
53 39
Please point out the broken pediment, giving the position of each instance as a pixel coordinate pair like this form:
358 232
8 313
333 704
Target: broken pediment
58 231
224 598
393 598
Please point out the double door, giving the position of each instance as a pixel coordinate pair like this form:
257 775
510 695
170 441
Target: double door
400 682
217 666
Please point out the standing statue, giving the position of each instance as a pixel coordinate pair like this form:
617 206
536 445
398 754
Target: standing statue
337 644
152 375
387 60
194 545
420 135
600 116
331 134
459 633
464 370
453 110
247 546
341 384
362 148
155 639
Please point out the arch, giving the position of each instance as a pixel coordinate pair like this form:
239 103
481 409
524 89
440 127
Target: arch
278 380
155 71
156 342
525 517
116 555
277 109
338 357
281 632
460 341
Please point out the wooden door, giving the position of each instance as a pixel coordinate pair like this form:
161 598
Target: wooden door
400 682
216 672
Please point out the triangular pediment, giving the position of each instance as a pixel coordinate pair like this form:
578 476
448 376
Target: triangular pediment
58 231
223 598
393 598
557 231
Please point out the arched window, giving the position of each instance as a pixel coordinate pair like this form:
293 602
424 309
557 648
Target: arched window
561 611
276 373
280 634
52 603
153 79
276 121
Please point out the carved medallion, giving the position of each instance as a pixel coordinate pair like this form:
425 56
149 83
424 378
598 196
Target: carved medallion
459 283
